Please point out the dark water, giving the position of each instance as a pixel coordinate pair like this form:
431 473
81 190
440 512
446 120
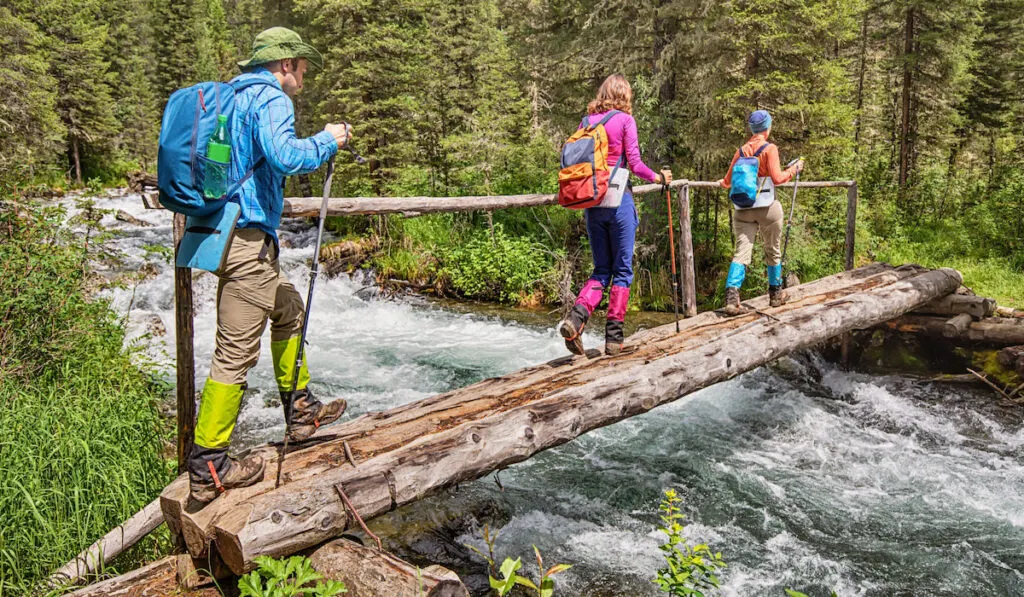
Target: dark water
802 475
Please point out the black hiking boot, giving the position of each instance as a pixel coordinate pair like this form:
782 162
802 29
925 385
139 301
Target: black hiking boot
732 302
613 337
777 296
571 328
309 414
205 483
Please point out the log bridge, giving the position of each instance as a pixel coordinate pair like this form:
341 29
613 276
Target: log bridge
380 461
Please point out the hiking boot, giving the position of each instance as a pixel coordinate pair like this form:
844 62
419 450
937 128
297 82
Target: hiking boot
732 302
309 414
206 487
613 337
571 328
777 296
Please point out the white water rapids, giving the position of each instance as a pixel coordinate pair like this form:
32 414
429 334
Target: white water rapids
803 475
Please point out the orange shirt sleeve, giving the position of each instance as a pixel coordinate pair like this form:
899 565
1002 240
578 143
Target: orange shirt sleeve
728 173
770 165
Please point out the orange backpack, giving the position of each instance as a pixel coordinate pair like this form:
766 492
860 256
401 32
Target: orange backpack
583 179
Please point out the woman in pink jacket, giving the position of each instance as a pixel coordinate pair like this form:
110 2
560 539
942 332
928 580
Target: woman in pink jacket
611 231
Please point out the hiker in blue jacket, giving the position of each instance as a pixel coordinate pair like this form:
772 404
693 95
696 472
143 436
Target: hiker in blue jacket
252 289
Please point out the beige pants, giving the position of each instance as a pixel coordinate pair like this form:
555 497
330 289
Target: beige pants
747 222
252 290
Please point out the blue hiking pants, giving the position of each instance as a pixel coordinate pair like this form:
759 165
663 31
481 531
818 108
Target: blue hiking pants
612 233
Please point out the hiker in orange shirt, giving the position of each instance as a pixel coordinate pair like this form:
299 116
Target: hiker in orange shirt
757 210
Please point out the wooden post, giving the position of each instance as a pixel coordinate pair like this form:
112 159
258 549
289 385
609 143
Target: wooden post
851 222
183 336
686 254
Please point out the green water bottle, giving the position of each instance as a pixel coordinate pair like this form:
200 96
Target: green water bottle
218 154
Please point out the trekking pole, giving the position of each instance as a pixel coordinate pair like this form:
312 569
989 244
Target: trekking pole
305 320
672 248
789 222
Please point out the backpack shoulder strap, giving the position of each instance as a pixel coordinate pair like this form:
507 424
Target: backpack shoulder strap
760 149
609 116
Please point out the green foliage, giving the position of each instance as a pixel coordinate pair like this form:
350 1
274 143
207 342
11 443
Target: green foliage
290 577
505 578
690 570
496 267
81 448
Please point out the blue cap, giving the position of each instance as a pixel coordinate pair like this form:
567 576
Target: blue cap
759 121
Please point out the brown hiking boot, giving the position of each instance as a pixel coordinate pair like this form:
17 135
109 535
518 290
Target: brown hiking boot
239 473
571 328
732 302
309 414
777 296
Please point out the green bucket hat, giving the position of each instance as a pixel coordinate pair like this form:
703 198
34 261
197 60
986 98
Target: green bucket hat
280 43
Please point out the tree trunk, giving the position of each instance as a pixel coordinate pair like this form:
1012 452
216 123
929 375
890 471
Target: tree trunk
860 80
405 453
993 331
76 160
908 81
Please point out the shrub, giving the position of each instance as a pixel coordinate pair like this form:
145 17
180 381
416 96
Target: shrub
80 433
499 268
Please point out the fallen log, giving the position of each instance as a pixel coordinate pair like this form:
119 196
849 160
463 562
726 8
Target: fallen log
377 433
1012 358
367 572
110 545
993 331
154 580
956 304
505 420
955 326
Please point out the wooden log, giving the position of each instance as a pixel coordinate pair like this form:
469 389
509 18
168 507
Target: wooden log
154 580
376 433
686 254
957 325
367 572
992 331
185 361
110 545
295 207
540 409
1009 312
977 307
1012 357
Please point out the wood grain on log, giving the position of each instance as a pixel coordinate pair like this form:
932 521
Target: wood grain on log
367 572
110 545
505 420
154 580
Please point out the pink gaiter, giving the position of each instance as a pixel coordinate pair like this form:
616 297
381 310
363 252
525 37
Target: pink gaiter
590 295
618 299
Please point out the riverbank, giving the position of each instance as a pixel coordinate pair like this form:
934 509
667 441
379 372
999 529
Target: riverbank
83 438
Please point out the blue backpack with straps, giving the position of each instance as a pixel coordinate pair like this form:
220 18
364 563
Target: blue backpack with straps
189 119
743 191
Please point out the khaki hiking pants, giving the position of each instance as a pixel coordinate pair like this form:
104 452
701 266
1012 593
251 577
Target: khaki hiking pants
747 222
252 290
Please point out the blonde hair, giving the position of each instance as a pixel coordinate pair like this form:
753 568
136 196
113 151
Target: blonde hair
614 94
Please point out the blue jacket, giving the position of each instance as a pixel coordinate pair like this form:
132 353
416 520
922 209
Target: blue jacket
263 126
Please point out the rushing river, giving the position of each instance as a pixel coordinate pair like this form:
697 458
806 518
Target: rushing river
802 475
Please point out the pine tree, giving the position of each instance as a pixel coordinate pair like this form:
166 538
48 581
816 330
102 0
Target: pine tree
30 132
76 39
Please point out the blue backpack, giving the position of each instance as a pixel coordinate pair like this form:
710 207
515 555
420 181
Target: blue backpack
743 191
188 121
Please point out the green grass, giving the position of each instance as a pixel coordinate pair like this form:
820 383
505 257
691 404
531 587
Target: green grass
80 432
